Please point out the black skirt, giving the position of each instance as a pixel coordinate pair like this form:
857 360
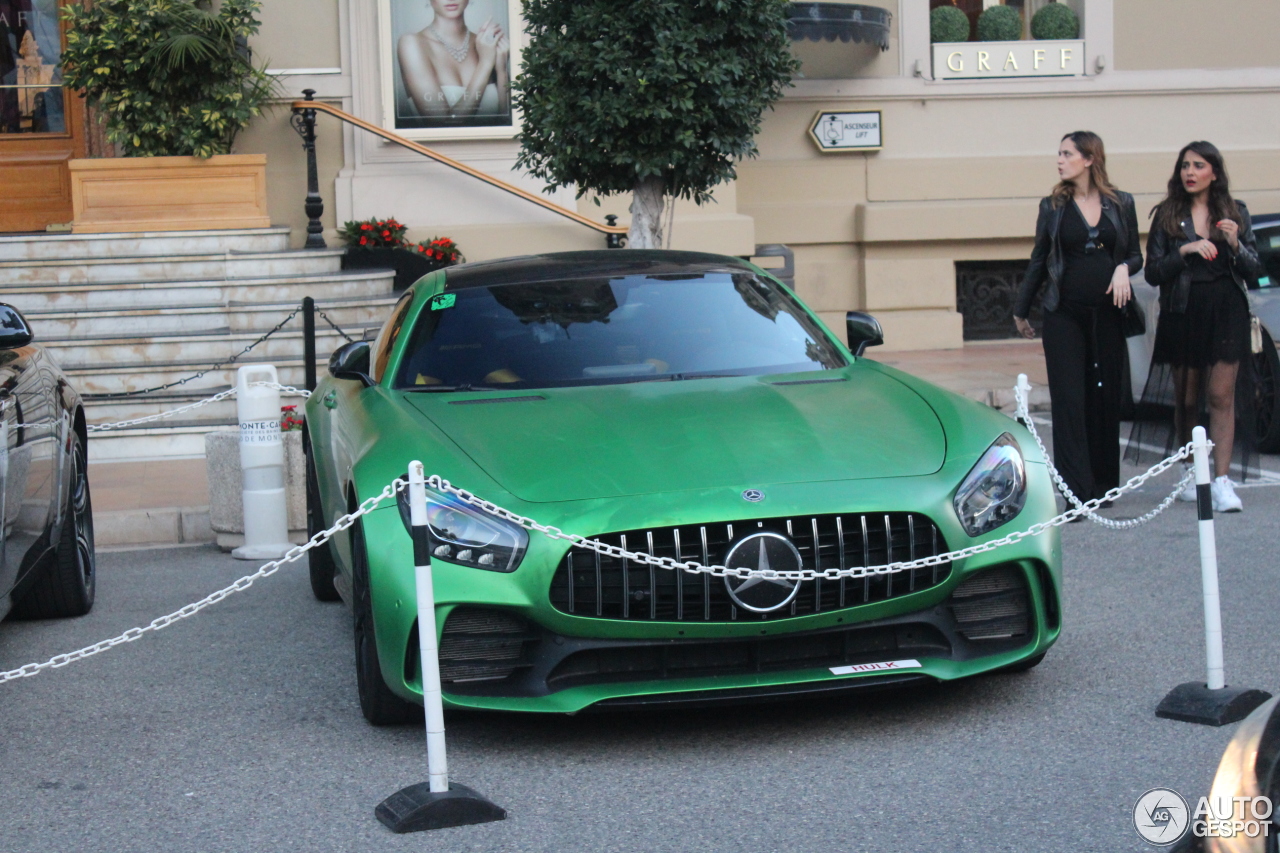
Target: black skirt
1214 328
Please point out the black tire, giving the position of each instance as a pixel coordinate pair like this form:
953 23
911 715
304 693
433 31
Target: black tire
319 560
68 581
1266 399
379 705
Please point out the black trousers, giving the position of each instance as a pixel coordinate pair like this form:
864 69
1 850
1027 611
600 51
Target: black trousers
1084 354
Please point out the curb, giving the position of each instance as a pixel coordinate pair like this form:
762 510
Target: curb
142 528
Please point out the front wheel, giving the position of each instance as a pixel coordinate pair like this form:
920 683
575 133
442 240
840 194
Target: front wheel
379 705
320 560
67 584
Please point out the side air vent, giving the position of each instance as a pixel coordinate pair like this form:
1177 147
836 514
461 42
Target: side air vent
482 645
993 605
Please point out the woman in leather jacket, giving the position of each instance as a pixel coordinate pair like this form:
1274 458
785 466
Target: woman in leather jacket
1200 253
1086 249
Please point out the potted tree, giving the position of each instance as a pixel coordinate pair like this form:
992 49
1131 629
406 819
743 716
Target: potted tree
174 82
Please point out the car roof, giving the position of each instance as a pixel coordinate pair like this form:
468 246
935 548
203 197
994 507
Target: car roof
603 263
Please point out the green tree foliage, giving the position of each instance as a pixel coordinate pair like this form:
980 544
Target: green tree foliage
172 77
661 96
1055 21
1000 23
947 23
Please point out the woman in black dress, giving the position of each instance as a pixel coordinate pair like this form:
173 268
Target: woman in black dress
1086 249
1200 252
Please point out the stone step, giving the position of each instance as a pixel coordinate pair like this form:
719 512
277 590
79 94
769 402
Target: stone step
29 247
356 312
124 295
169 268
113 379
129 408
179 440
127 353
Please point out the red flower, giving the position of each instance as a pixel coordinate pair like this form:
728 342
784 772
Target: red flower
386 233
364 240
366 227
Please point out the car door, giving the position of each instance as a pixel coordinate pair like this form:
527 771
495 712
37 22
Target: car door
27 460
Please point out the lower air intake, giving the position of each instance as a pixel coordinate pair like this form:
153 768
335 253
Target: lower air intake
993 605
482 645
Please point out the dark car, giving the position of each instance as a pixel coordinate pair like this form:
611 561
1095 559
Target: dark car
46 540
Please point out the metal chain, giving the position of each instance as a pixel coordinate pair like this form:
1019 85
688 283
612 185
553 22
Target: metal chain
222 395
175 383
325 317
1024 416
438 483
192 609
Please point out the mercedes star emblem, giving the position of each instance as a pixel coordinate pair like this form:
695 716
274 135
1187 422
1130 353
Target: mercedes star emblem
753 495
764 551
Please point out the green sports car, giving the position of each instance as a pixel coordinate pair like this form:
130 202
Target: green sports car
682 405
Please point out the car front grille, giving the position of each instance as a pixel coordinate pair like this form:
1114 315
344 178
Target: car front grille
590 584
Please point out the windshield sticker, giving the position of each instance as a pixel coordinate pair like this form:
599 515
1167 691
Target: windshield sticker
443 301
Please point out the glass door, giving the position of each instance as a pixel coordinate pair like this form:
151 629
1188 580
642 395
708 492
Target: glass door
40 121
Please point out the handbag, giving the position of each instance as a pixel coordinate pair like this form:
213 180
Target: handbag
1255 334
1133 321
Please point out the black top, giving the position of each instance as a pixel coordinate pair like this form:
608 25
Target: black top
1219 267
1087 258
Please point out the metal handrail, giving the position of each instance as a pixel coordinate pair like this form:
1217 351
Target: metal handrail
304 122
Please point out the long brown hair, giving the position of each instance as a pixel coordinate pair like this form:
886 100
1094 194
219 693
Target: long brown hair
1090 146
1176 206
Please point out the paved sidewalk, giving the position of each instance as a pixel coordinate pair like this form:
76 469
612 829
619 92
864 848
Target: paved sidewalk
166 501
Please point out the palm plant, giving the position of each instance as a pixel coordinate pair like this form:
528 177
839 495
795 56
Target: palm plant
171 77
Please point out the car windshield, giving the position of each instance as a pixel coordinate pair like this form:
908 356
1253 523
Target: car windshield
612 330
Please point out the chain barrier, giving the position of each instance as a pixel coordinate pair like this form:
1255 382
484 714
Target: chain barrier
1024 416
240 585
114 395
221 395
334 326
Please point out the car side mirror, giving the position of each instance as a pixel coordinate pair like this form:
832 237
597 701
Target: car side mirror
351 361
14 331
863 331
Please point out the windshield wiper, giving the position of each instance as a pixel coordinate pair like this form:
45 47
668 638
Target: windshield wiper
466 386
680 377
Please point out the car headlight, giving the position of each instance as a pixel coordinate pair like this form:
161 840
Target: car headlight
995 489
466 536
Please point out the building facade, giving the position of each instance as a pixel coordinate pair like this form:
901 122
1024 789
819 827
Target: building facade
927 231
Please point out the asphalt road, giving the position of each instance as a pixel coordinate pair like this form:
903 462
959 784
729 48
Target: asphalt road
238 729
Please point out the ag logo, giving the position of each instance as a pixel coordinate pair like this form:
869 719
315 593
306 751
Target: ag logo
1161 816
763 551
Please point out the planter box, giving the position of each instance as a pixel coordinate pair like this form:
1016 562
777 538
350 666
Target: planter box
409 265
226 503
169 193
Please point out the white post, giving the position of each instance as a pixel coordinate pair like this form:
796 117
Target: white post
1208 562
432 703
266 514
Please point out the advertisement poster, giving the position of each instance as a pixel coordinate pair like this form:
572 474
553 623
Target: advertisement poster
450 66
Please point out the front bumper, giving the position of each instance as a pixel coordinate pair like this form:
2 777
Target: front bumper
569 663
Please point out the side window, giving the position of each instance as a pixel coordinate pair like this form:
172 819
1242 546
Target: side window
386 339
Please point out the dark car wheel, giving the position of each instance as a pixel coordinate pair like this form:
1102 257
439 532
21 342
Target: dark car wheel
319 559
66 584
1266 401
379 705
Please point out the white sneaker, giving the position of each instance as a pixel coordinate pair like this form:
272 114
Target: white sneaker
1224 495
1188 492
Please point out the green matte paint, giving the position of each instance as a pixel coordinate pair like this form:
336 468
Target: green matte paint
591 460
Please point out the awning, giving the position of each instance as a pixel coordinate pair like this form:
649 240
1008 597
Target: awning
843 21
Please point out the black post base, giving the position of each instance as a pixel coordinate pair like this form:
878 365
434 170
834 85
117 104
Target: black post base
416 808
1193 702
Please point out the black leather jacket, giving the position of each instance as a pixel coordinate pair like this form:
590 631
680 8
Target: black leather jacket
1167 268
1046 258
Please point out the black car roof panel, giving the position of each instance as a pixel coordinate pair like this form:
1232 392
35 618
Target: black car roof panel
603 263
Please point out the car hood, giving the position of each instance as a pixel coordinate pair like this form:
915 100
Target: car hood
643 438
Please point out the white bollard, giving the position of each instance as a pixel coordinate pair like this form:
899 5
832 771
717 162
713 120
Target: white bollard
432 702
1211 702
434 804
1208 561
266 509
